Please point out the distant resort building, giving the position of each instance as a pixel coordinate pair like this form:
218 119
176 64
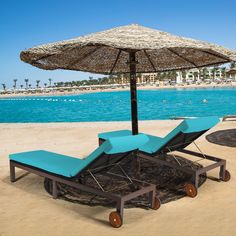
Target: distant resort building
195 75
147 77
141 78
192 75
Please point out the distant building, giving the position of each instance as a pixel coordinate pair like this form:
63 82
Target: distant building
148 78
192 75
199 74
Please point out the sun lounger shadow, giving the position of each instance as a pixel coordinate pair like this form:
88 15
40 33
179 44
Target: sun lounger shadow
30 180
213 178
177 141
22 176
74 172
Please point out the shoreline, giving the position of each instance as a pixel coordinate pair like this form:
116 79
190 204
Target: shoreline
146 87
85 123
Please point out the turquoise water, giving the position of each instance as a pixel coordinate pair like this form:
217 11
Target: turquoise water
115 106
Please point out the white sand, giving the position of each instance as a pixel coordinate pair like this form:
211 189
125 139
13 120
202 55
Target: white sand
26 208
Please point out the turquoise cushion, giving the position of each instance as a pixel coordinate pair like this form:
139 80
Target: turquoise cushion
152 145
113 134
69 166
125 143
200 124
155 143
187 126
49 161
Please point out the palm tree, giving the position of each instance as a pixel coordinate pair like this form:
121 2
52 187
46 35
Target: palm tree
50 82
195 75
213 71
14 86
37 83
184 75
99 80
21 86
232 65
4 86
205 73
45 85
59 84
223 72
30 86
26 83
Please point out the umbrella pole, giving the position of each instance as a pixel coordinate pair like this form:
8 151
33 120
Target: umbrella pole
133 93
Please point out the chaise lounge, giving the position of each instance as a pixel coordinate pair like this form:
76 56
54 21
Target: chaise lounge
74 172
177 140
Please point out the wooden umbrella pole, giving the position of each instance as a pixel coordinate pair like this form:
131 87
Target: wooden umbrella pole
133 93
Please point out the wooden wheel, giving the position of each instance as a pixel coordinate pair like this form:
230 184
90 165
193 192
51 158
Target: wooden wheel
227 176
157 203
191 190
115 219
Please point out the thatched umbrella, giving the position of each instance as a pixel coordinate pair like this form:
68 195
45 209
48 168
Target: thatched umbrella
127 49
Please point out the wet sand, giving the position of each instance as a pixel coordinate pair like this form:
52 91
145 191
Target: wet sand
27 209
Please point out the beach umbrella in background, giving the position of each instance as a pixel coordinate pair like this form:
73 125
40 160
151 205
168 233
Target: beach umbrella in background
128 49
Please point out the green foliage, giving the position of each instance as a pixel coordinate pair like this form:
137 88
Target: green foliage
4 86
232 65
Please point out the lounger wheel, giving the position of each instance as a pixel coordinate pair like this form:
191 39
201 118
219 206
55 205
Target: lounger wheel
190 190
227 176
156 204
115 219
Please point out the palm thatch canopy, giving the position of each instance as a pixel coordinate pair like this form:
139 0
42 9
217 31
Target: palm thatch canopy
107 52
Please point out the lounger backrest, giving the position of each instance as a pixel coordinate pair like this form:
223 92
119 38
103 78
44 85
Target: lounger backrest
180 141
185 133
113 150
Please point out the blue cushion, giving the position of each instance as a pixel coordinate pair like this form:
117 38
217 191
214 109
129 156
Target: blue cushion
69 166
112 134
156 143
49 161
125 143
187 126
200 124
152 145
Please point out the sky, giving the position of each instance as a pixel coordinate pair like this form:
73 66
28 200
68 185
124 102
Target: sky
28 23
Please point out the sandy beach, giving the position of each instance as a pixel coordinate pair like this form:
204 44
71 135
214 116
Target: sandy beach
27 209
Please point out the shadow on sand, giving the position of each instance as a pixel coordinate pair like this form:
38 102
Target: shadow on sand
223 137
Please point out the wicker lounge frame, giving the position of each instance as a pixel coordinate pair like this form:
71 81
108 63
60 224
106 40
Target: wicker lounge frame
116 217
177 144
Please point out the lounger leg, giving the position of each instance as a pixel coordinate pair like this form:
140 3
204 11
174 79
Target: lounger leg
222 171
120 208
54 189
196 181
12 172
152 199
